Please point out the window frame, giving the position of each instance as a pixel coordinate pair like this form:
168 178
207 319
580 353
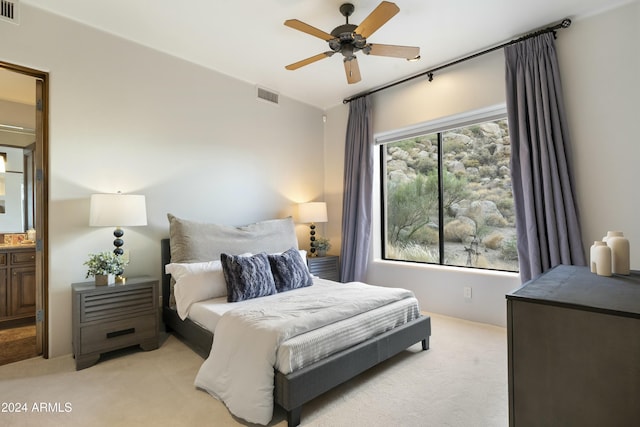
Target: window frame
440 125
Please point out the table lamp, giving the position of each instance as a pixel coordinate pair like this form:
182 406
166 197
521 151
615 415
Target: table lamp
117 210
312 212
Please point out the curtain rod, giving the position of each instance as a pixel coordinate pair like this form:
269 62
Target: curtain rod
565 23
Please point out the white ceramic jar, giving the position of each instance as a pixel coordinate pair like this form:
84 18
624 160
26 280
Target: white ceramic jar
620 252
601 258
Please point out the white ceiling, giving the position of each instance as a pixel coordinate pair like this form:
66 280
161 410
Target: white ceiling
247 39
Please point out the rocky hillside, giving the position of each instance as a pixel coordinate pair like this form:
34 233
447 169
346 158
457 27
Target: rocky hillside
479 221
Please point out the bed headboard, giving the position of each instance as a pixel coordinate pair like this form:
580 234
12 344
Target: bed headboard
165 255
192 241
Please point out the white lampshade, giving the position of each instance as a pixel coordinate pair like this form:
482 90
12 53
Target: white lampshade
312 212
117 210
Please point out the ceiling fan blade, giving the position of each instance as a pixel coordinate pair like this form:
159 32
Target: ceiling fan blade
408 52
376 19
309 60
352 70
306 28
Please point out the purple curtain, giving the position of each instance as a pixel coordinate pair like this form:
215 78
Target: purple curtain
358 185
547 220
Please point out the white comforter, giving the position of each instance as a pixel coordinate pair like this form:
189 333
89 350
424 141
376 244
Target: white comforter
239 370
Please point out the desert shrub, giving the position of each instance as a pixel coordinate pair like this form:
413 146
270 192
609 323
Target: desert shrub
488 171
412 252
426 165
495 220
405 144
409 206
510 250
454 144
493 241
426 236
455 188
505 204
458 230
471 163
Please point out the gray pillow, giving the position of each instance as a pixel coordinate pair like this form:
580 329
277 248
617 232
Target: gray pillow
193 241
247 277
289 270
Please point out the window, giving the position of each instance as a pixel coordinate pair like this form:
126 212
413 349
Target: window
446 194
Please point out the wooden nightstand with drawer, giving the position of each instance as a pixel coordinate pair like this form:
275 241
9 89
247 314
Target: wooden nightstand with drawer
107 318
325 267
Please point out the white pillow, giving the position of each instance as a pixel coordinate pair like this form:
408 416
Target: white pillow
195 282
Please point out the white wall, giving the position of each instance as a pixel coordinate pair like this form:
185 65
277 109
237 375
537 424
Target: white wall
334 134
599 66
126 118
467 87
600 63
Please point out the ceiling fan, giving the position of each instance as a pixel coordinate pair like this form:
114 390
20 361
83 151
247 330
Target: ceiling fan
348 39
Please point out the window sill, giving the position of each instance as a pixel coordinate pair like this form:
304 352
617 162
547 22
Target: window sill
444 268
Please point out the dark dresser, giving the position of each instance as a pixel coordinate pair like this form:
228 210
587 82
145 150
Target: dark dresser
574 350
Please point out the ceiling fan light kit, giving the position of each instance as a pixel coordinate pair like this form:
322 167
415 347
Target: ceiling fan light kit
348 39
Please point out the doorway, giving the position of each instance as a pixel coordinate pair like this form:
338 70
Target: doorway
23 212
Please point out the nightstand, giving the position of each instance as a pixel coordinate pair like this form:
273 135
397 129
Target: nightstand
107 318
325 267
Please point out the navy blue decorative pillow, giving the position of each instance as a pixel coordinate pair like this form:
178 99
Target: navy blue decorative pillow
289 270
247 277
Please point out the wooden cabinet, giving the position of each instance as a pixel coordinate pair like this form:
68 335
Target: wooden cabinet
325 267
17 284
574 350
107 318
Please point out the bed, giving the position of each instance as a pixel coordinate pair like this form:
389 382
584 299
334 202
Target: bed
293 389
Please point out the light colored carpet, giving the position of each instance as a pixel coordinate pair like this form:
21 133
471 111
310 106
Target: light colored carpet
460 381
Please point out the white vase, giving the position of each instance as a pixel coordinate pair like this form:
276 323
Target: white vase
592 257
601 259
620 253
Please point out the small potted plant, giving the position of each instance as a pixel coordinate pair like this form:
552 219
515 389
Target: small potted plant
322 245
105 266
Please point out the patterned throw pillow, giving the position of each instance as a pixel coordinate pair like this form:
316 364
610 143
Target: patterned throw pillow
289 270
247 277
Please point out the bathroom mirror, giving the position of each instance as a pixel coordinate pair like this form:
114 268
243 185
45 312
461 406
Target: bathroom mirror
16 188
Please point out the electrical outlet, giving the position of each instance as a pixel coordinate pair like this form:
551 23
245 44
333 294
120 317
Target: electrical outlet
467 292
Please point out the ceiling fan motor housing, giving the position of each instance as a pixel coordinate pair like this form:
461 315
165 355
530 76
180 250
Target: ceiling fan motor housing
346 40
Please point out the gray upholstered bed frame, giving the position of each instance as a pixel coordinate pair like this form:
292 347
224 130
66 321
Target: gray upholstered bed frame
293 390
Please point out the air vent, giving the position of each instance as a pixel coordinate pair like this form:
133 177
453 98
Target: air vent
10 11
267 95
